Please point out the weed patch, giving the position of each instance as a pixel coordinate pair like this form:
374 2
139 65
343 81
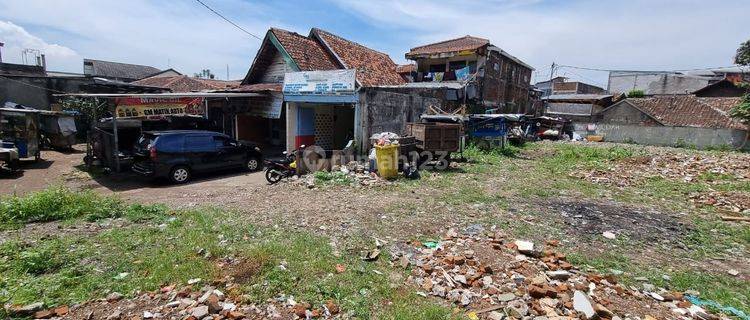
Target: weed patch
59 203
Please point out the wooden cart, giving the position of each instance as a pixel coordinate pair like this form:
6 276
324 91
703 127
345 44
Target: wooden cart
436 141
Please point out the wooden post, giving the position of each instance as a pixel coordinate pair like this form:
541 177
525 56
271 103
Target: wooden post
116 148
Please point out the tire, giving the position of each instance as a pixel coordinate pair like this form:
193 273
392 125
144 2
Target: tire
253 164
179 174
273 176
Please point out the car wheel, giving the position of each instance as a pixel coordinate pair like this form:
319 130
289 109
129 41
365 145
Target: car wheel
179 174
252 164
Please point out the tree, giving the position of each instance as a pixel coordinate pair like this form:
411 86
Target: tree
741 111
743 54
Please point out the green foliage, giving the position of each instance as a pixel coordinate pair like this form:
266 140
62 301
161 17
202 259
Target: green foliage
333 178
742 111
59 203
636 93
743 54
87 107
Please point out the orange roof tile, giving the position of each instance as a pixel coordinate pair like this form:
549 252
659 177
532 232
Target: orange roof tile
452 45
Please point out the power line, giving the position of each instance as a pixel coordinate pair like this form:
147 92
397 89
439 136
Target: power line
230 21
611 70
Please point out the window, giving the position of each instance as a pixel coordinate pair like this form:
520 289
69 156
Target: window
203 143
437 68
222 141
455 65
170 143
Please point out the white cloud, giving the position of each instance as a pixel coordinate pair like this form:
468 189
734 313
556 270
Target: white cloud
17 39
663 35
175 33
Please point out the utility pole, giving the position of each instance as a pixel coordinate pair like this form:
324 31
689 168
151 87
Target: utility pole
551 73
227 72
1 52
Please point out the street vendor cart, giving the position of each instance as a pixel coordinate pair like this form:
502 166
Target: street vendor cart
19 130
57 129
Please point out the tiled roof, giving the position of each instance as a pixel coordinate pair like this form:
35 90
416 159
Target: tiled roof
373 68
306 52
690 111
406 68
184 83
108 69
453 45
257 87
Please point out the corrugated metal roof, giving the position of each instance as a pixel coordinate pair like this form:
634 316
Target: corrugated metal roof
578 96
109 69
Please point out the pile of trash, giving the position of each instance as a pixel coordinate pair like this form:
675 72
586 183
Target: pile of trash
495 278
353 173
193 301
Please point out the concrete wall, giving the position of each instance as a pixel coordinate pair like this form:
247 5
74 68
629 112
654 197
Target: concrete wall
30 90
624 113
672 136
385 110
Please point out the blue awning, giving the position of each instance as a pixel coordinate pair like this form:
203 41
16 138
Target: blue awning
353 98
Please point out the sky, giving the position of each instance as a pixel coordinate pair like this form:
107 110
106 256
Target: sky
184 35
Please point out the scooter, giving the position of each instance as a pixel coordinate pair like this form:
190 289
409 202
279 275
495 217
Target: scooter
279 169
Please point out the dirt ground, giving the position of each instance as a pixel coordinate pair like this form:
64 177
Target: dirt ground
466 198
65 168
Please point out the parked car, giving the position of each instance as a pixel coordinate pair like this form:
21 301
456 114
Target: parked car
177 154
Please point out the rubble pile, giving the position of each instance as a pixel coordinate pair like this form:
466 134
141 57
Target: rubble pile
712 169
673 166
494 278
736 202
191 302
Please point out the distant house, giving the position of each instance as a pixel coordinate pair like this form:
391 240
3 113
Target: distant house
164 73
502 80
576 107
407 71
656 82
723 88
673 120
546 86
183 83
575 87
117 71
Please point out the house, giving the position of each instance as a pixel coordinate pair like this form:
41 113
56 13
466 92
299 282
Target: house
656 82
164 73
577 107
117 71
407 71
546 86
183 83
723 88
575 87
34 86
502 80
325 116
674 120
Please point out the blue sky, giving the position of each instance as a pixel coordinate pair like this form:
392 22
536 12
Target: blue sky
635 34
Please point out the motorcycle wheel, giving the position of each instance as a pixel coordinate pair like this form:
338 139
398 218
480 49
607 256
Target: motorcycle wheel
273 176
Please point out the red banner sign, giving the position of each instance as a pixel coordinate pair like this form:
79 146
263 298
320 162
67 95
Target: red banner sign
144 107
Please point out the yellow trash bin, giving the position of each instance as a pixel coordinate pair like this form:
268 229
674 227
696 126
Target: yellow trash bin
387 159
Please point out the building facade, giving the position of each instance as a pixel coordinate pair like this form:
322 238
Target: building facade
502 81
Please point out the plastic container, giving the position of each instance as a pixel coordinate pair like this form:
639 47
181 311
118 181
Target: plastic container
387 161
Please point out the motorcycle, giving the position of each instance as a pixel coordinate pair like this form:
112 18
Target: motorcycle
284 168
